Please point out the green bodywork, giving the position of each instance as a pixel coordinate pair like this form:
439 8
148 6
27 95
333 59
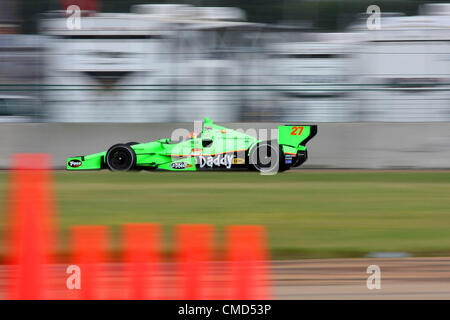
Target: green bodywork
216 147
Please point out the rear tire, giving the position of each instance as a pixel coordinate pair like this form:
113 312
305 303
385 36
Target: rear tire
266 157
121 157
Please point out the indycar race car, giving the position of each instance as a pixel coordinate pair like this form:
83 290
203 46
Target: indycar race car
216 147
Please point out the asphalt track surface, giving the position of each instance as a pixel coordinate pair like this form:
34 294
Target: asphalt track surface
401 278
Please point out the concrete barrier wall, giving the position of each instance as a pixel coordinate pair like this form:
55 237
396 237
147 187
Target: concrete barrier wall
337 145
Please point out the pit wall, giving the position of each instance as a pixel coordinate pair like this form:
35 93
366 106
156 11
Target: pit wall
336 145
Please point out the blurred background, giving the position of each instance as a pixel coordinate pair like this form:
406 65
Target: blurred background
265 60
131 70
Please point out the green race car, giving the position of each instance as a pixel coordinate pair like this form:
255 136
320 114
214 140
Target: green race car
215 148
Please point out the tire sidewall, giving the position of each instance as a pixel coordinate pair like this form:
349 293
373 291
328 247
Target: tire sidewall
130 151
255 163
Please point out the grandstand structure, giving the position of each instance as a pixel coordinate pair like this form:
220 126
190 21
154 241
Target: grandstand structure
314 71
158 63
404 68
166 63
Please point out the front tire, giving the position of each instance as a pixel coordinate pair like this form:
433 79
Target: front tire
121 157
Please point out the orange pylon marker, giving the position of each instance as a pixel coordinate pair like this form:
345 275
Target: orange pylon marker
142 258
89 245
29 226
247 258
194 245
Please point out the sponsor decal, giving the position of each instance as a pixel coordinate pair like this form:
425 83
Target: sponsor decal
178 165
208 128
288 161
238 161
223 131
215 161
189 165
75 163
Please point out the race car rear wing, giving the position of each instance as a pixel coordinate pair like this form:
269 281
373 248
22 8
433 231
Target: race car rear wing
296 135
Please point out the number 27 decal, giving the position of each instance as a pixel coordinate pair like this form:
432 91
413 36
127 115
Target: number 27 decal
296 131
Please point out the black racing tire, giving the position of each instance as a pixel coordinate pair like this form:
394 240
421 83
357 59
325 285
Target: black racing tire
121 157
266 157
136 168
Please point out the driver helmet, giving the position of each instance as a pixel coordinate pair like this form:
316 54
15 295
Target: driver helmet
192 135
